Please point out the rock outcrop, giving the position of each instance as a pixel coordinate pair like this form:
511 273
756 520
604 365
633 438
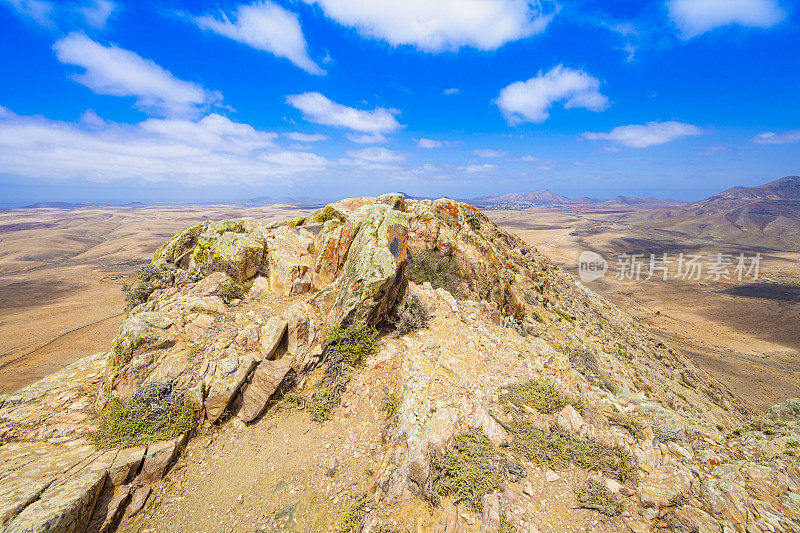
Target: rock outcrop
246 311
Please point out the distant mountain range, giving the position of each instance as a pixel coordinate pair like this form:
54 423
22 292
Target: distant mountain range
768 215
548 198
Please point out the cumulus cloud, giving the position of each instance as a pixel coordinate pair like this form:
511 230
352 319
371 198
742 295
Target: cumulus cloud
94 13
530 101
367 138
429 143
452 90
376 154
642 136
436 26
777 137
212 150
118 72
473 169
264 26
694 17
306 137
490 153
319 109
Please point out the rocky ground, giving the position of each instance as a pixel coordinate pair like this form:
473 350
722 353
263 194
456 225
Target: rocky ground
524 402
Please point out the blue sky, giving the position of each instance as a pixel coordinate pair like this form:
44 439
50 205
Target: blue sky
112 101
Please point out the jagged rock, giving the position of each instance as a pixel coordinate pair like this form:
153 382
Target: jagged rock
664 485
67 504
158 458
266 379
236 254
570 419
491 513
272 334
473 415
787 411
288 260
372 274
109 508
259 289
138 499
140 332
126 465
230 374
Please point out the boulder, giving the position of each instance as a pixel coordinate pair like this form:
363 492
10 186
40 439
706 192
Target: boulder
228 378
272 334
288 260
141 332
266 379
373 273
570 419
236 254
663 485
787 411
109 509
158 458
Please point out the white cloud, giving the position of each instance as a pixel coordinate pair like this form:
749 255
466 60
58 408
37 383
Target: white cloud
490 153
114 71
452 90
530 158
693 17
265 26
213 150
777 137
37 10
642 136
367 138
429 143
97 12
319 109
436 26
530 101
376 154
306 137
473 169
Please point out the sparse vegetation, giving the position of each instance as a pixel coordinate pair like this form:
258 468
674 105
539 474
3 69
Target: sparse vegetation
434 268
149 278
195 350
409 315
595 495
354 342
686 381
634 426
351 514
537 317
230 291
543 396
559 448
761 425
564 315
506 525
469 469
390 405
156 411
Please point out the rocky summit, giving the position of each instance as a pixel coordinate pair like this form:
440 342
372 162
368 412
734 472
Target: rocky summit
385 365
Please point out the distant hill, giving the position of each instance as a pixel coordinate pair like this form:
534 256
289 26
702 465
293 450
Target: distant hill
768 215
57 205
524 200
302 201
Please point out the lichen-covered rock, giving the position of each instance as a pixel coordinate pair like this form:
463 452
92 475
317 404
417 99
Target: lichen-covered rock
372 275
238 255
272 335
664 485
288 260
140 332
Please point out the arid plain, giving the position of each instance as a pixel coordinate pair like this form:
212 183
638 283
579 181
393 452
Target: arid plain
61 272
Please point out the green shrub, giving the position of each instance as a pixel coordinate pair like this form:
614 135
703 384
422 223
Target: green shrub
564 315
390 405
634 426
559 448
351 514
156 411
595 495
354 342
469 469
409 315
434 268
230 291
543 396
149 278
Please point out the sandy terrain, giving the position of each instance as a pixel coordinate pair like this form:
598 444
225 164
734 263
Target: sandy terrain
745 333
61 272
